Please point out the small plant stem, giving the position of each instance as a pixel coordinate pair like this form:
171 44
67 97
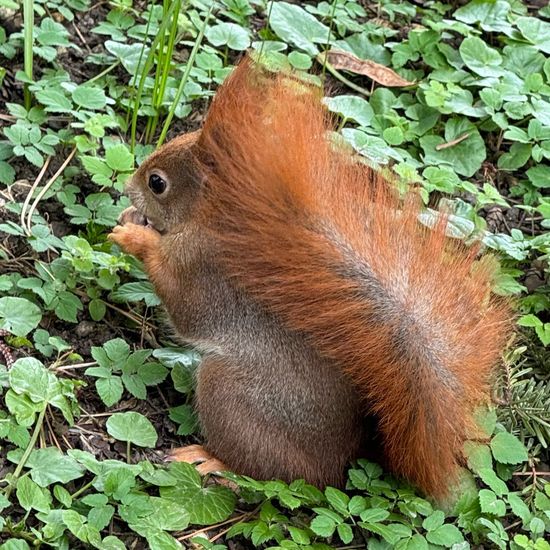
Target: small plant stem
268 19
183 81
49 183
28 198
28 24
327 46
26 454
128 447
85 487
104 72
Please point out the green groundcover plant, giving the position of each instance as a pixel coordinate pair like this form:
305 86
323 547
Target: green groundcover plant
454 99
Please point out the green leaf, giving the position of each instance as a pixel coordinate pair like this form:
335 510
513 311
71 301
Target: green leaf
50 465
517 157
109 390
182 377
136 291
345 533
54 100
491 504
206 505
90 97
508 449
491 16
519 507
496 484
18 315
323 526
132 427
434 521
228 34
184 415
479 57
539 176
292 24
31 496
535 31
464 157
130 55
97 309
119 159
338 500
29 376
351 107
445 535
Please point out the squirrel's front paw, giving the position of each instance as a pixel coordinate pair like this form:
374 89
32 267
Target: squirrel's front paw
132 215
137 240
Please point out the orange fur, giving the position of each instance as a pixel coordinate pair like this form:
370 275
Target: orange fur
322 240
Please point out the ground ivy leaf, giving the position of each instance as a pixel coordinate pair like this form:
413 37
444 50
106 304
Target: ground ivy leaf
508 449
206 505
50 465
130 55
18 315
112 543
291 23
480 58
536 31
133 427
31 496
228 34
465 157
351 107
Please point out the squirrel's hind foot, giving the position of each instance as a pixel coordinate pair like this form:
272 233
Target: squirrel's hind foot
205 462
197 454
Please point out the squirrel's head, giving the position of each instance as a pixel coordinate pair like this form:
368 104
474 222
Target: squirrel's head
165 187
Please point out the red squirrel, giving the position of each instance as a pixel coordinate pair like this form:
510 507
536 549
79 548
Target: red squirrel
317 298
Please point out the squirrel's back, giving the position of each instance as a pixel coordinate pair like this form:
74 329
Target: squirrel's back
324 242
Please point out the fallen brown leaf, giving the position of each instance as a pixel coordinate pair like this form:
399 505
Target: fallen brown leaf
379 73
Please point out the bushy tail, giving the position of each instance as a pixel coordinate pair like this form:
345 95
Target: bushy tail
322 240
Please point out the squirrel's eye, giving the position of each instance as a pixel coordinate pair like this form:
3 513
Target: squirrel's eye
157 184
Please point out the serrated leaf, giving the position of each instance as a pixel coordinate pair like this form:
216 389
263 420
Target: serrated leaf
133 427
446 535
109 389
323 526
54 101
89 97
18 315
491 504
119 159
508 449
